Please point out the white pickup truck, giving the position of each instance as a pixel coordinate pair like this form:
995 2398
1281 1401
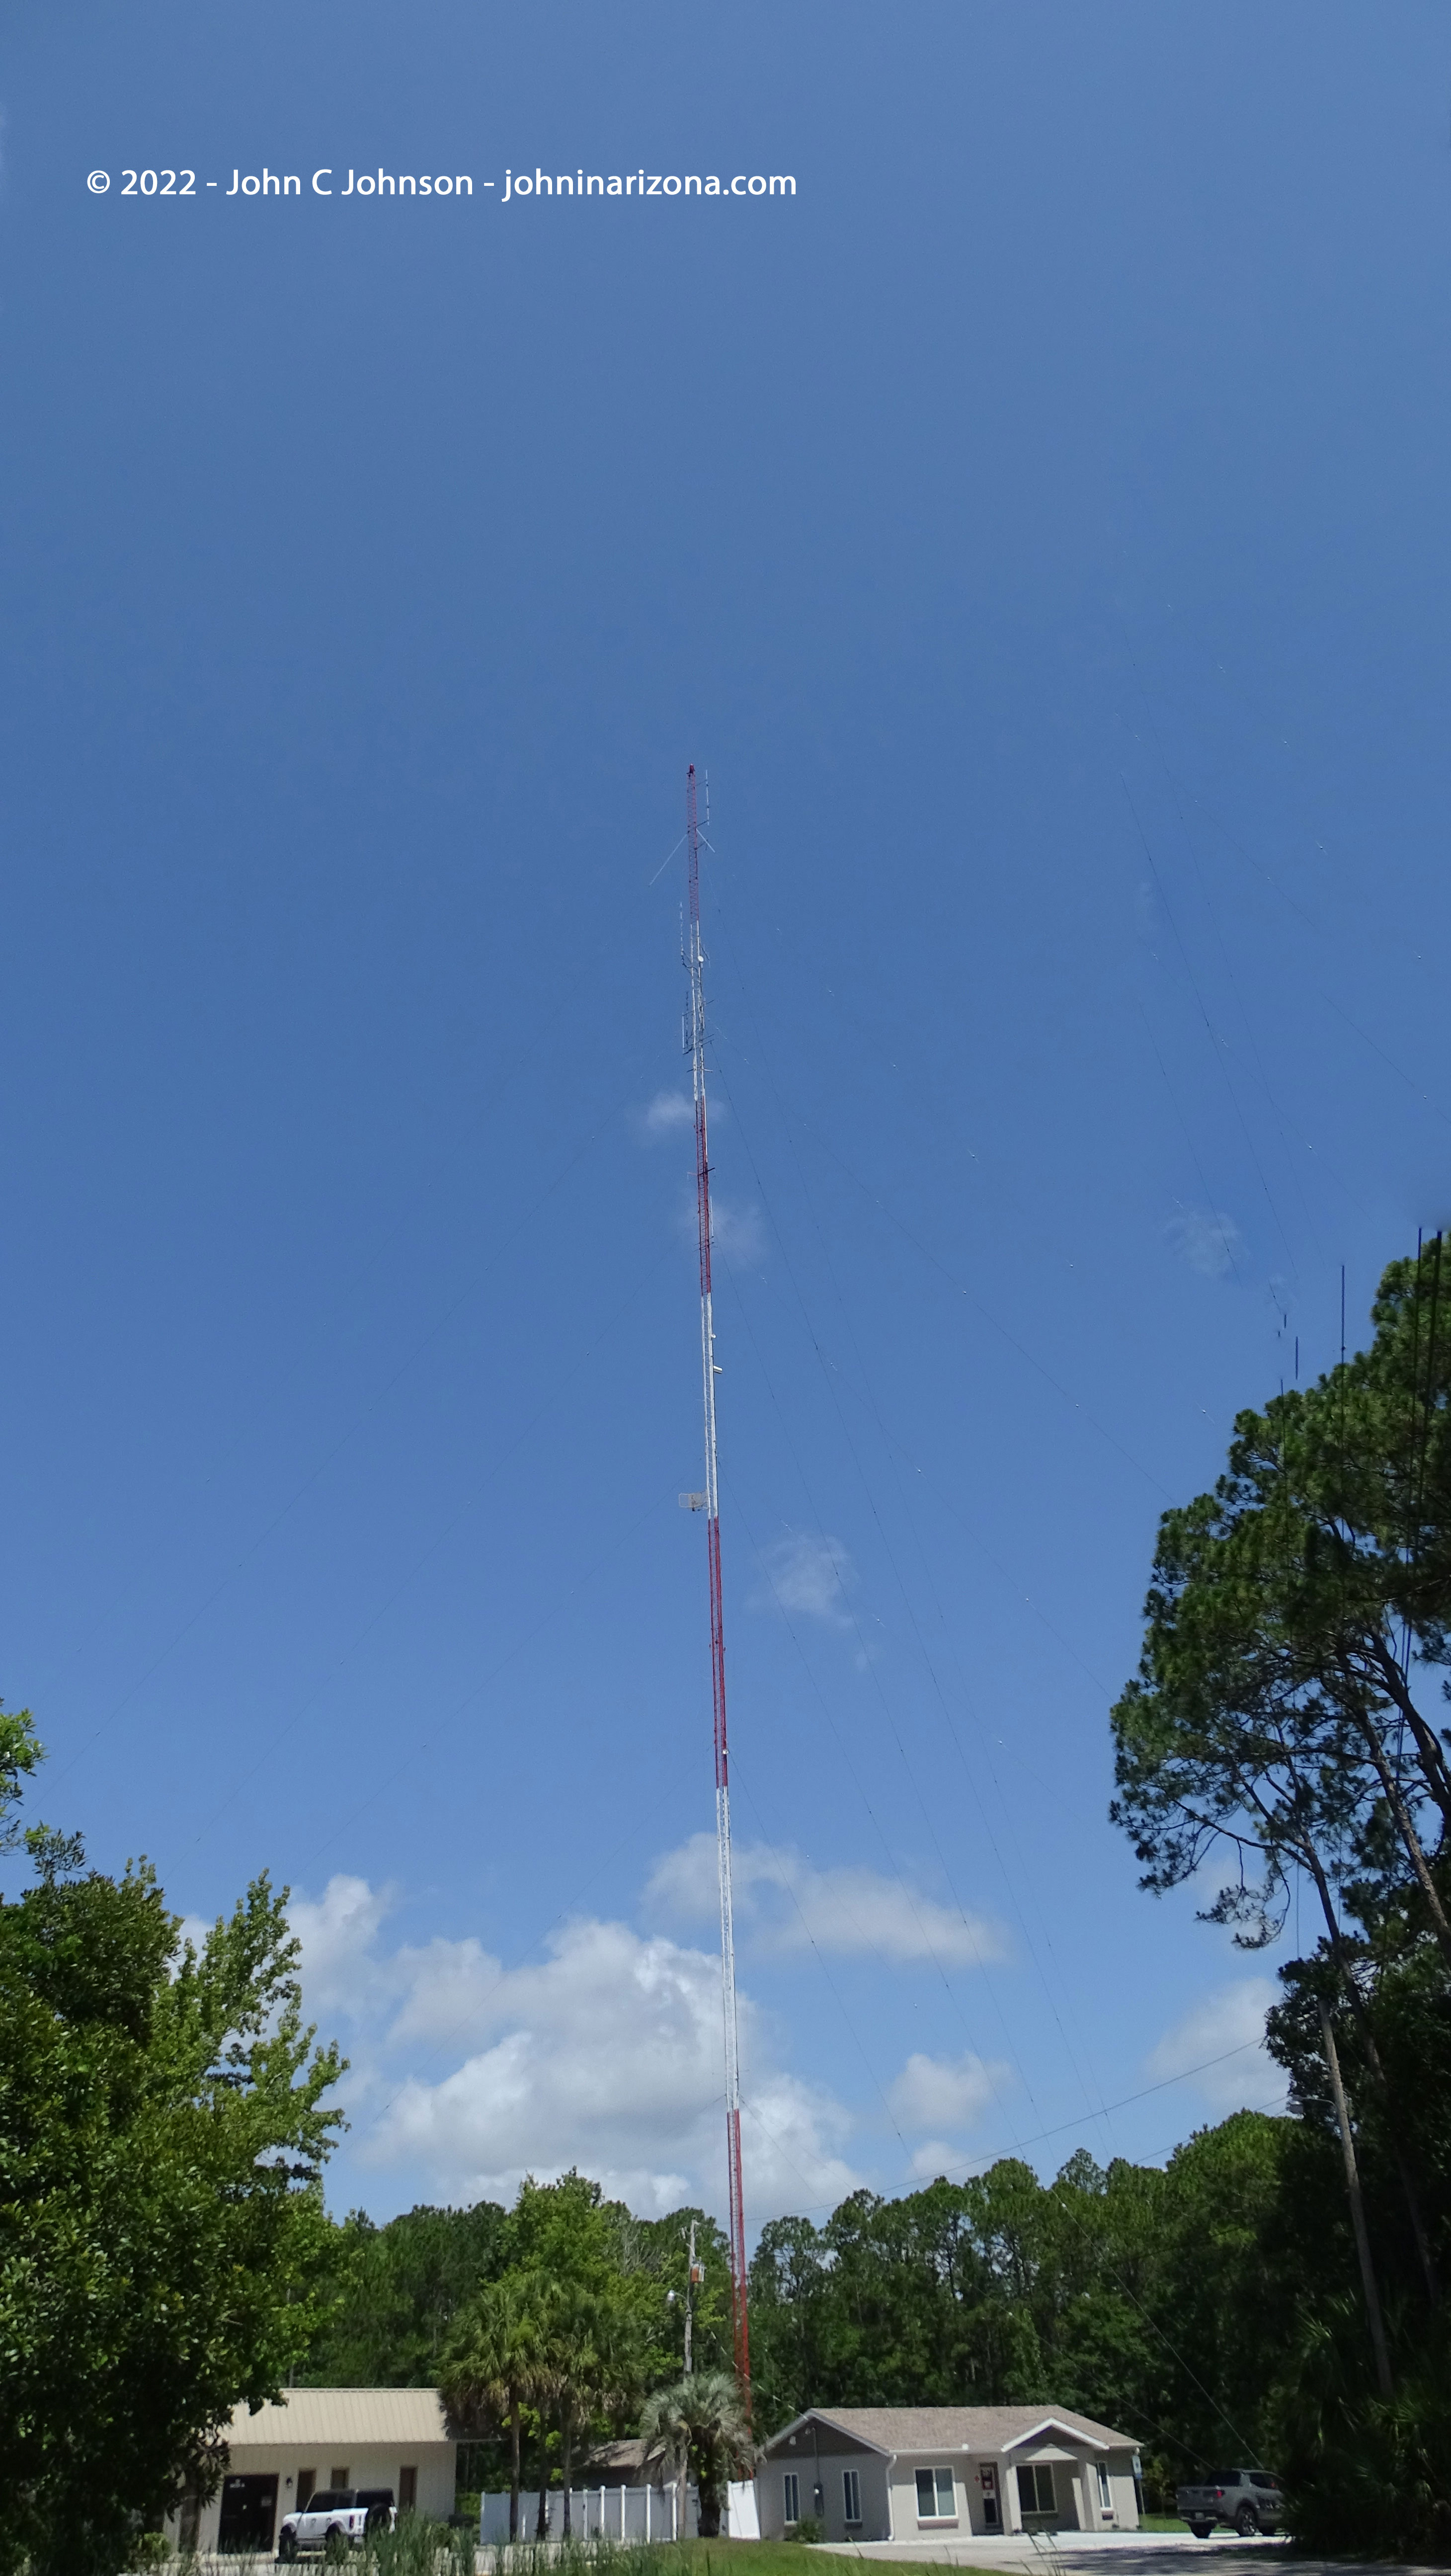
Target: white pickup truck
335 2520
1250 2499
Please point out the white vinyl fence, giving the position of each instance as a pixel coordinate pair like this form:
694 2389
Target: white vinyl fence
595 2513
618 2513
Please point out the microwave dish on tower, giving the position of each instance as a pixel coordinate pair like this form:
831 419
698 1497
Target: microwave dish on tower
709 1503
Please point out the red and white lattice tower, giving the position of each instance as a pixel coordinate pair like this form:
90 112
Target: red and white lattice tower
695 963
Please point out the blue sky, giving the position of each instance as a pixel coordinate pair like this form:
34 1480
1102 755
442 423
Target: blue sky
1038 528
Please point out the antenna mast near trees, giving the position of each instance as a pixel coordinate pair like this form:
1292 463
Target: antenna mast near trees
709 1502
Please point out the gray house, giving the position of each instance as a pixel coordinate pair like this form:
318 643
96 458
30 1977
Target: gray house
924 2473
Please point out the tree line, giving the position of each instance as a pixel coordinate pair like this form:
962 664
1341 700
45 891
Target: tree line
1142 2295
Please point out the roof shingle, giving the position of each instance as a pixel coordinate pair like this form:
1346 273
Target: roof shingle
958 2428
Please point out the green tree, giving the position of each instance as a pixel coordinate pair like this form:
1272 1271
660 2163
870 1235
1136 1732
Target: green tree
163 2132
1296 1623
1276 1707
568 2231
397 2292
495 2364
557 2346
592 2352
658 2248
698 2428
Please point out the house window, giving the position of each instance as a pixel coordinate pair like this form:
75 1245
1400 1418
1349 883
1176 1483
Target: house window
1035 2487
407 2489
337 2477
791 2488
936 2501
1105 2491
851 2495
306 2481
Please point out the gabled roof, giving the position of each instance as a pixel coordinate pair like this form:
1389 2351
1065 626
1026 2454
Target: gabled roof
1076 2430
343 2419
895 2429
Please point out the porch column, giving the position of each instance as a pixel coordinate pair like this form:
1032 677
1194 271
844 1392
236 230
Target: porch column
1089 2517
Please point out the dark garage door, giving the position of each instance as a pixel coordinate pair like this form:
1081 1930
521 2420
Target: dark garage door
249 2512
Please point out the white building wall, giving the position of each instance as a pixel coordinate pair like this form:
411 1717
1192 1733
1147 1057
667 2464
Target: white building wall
1076 2486
434 2462
977 2495
1125 2491
905 2522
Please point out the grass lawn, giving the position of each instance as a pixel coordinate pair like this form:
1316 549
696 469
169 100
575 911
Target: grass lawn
769 2558
1162 2522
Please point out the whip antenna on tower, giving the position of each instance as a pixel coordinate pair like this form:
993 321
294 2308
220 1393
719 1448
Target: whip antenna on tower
709 1502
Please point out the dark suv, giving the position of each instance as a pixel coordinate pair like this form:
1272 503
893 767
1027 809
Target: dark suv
1248 2498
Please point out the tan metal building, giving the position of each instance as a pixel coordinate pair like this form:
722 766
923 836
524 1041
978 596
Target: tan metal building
323 2437
927 2473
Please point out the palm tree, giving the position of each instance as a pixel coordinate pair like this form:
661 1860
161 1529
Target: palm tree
494 2363
591 2361
700 2426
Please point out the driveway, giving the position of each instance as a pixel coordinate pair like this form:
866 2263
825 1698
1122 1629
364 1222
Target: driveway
1119 2553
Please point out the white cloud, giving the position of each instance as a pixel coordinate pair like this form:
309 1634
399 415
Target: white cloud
667 1113
945 2092
786 1904
736 1230
337 1935
193 1928
809 1576
793 2134
1223 2035
606 2053
1207 1239
936 2159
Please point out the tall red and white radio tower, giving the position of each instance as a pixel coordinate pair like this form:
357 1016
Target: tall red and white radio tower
710 1502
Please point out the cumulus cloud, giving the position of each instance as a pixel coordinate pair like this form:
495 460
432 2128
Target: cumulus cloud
736 1230
1227 2026
937 2159
796 2133
784 1903
1207 1239
667 1113
337 1935
606 2053
809 1577
945 2093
